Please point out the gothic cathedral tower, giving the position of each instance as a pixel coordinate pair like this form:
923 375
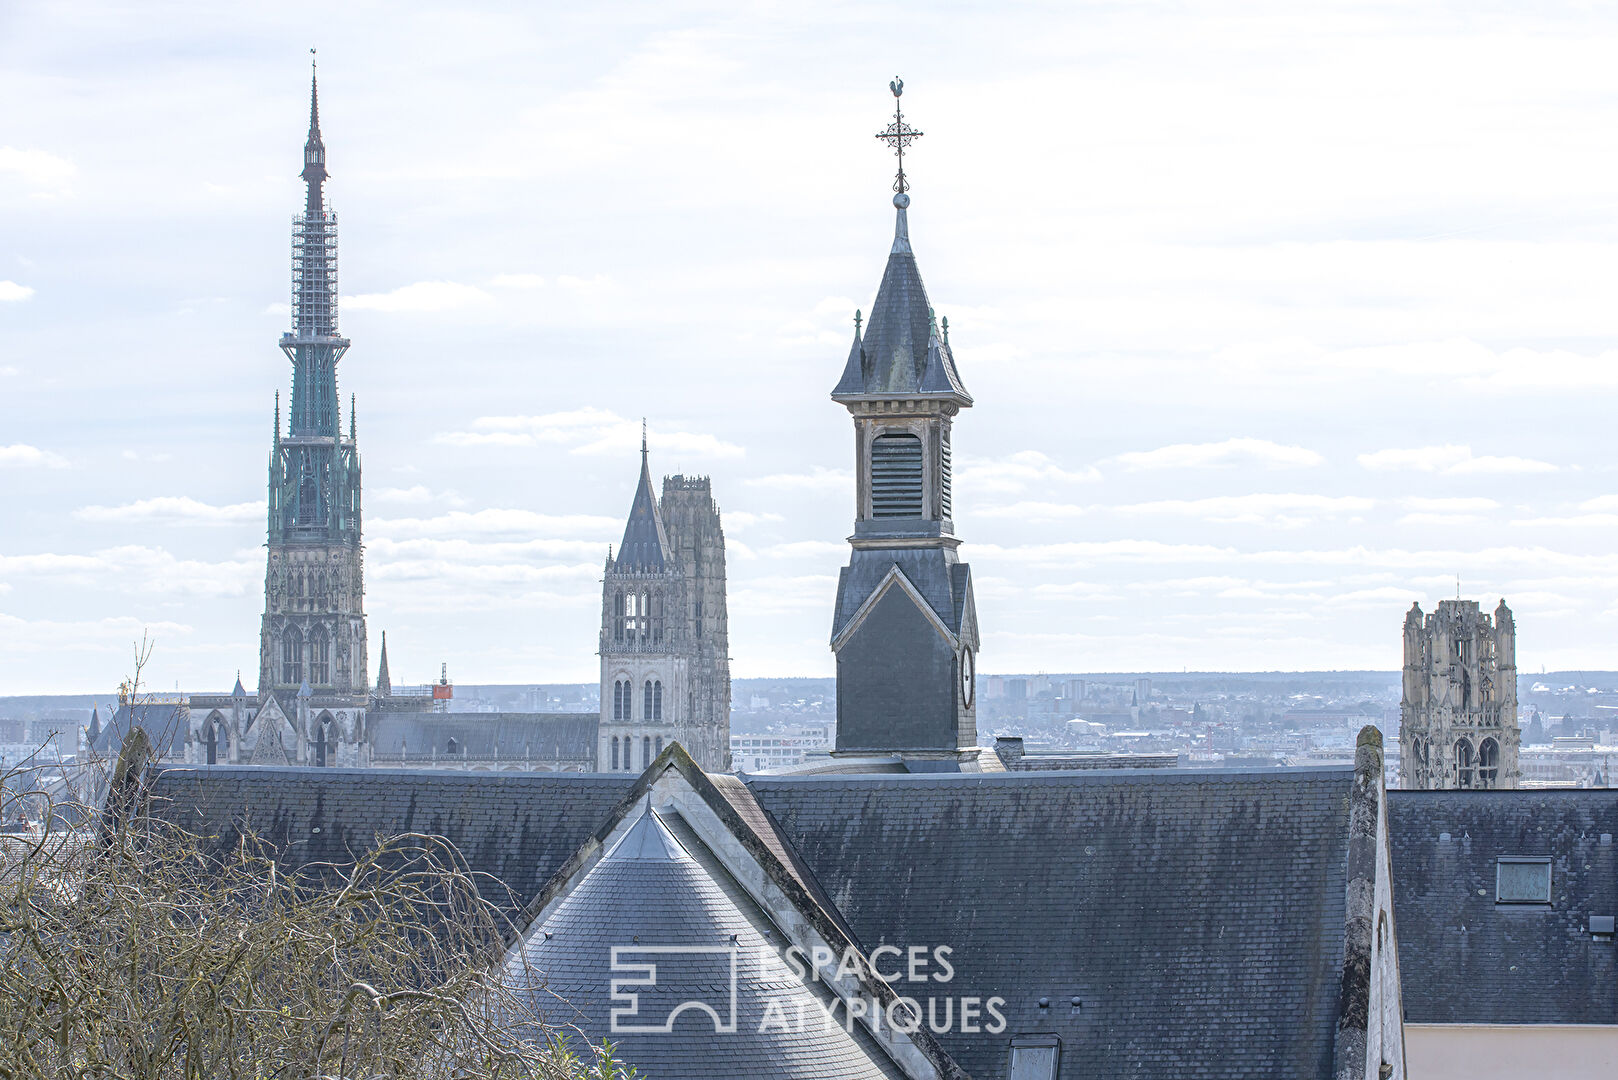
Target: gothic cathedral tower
312 652
1458 712
665 665
905 629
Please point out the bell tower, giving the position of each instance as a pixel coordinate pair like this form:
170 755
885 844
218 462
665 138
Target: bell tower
905 630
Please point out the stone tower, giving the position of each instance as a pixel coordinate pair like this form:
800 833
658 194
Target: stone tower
905 628
1458 712
312 650
665 668
691 518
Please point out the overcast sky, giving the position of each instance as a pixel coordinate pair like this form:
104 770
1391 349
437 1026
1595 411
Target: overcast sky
1278 317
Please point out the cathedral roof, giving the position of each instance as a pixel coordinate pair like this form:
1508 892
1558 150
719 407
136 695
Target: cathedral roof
646 543
900 351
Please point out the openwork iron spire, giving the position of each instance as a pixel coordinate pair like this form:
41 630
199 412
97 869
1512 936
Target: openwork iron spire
899 135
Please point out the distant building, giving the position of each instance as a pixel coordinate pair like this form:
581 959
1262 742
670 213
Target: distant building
1458 713
665 656
761 752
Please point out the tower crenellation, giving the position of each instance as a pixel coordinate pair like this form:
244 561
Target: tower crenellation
1458 706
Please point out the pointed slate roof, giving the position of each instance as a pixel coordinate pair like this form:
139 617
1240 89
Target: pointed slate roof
900 351
646 543
655 901
237 691
384 682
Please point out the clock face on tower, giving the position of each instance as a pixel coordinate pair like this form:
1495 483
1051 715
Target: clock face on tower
968 676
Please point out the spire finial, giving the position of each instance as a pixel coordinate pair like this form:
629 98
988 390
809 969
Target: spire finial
944 320
856 322
314 149
352 427
932 322
899 135
643 436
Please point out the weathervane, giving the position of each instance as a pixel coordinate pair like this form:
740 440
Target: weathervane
899 135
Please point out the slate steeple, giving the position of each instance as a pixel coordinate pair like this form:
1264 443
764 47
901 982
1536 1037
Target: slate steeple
646 543
905 627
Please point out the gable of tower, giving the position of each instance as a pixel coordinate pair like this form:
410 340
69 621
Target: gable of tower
896 675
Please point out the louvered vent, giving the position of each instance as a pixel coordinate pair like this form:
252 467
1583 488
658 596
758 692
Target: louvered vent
943 477
896 476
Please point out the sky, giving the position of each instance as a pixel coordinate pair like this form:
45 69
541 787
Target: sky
1279 317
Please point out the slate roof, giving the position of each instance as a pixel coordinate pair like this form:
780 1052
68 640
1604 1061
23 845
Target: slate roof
646 543
1198 916
899 352
653 891
484 736
1464 958
942 581
166 725
518 828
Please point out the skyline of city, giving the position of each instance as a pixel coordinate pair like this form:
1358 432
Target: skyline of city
1253 475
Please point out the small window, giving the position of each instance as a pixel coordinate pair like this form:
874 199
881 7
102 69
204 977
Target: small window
1523 879
1034 1057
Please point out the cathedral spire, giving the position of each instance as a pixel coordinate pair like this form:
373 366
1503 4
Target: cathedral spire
314 149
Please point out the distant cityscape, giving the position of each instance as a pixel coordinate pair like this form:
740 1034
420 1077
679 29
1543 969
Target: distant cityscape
1569 719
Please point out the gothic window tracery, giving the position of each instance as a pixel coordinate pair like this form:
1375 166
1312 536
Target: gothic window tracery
1465 764
657 700
291 656
646 701
615 753
1488 763
319 657
646 751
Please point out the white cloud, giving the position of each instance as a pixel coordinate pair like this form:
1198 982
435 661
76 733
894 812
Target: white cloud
23 456
140 570
1015 472
517 281
818 478
595 283
1447 505
746 519
1451 460
423 296
173 509
490 522
590 431
415 495
10 291
1034 511
37 168
804 549
1231 452
1258 509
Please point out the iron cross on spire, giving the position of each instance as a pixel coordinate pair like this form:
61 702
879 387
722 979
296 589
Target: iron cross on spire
899 135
